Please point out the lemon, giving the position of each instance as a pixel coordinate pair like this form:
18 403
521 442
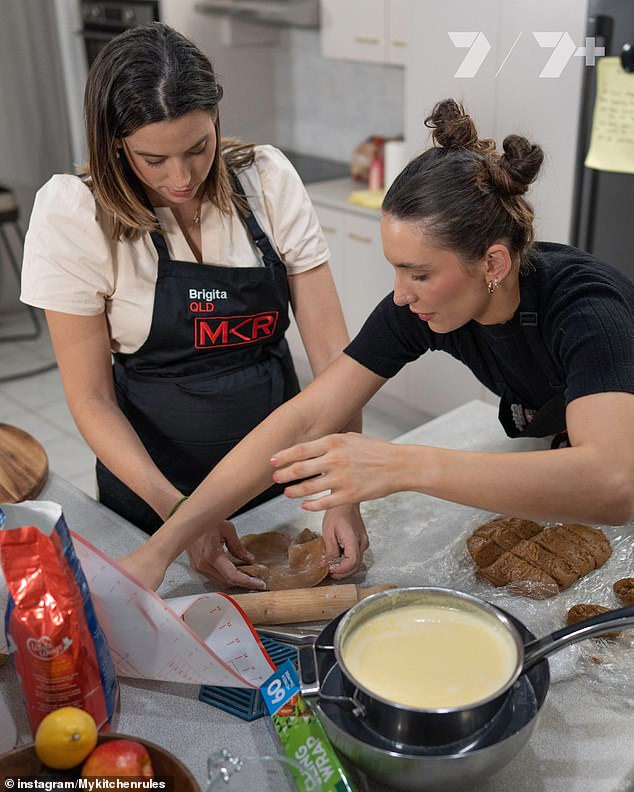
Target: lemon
65 737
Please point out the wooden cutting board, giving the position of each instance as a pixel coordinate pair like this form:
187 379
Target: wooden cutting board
23 465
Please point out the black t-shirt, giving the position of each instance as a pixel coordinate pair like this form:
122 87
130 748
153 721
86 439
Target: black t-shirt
584 310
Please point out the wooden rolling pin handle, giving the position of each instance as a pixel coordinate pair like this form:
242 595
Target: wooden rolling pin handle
369 590
303 605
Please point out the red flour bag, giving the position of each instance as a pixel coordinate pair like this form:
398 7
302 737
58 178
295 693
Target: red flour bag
57 647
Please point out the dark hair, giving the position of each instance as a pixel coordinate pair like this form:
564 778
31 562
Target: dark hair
465 193
148 74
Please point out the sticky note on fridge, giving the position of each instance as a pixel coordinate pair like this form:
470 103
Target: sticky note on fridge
612 138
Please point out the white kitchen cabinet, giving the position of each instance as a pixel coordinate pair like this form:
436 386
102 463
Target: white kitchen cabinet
362 277
330 221
361 274
353 30
546 109
367 275
373 31
367 279
398 21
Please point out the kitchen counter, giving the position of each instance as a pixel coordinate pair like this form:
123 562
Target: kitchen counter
582 743
334 193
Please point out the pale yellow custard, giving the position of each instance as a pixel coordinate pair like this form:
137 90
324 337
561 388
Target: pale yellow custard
430 656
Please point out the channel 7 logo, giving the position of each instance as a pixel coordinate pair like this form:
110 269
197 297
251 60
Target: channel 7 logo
562 45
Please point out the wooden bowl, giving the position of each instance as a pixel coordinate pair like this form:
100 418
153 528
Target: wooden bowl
23 763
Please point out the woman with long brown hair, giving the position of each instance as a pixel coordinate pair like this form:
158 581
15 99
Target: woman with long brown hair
178 253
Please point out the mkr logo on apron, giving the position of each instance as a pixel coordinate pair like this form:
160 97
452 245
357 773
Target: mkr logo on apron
226 331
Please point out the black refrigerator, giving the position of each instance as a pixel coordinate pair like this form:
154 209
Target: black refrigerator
603 219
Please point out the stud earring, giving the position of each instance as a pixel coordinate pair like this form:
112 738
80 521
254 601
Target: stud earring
492 285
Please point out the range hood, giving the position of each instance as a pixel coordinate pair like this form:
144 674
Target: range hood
279 13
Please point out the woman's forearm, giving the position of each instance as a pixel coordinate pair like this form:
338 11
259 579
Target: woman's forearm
315 299
82 348
118 447
561 485
592 481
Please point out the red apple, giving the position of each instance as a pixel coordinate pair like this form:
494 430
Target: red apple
118 758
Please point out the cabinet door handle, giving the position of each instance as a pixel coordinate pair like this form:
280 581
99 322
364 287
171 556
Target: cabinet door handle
399 43
366 40
328 229
359 238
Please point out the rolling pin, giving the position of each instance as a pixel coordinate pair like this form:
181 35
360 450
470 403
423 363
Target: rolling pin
303 604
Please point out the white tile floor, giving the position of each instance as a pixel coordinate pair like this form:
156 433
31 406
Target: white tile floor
37 405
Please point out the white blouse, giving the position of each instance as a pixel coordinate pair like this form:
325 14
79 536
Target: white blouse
71 265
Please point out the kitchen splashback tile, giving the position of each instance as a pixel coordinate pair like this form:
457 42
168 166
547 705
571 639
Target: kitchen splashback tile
327 106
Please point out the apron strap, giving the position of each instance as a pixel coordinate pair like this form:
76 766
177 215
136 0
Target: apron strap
530 325
160 244
256 233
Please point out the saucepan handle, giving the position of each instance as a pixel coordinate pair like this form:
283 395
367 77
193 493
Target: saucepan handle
308 670
535 651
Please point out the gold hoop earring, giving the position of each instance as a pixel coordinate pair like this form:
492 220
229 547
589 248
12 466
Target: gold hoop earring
492 285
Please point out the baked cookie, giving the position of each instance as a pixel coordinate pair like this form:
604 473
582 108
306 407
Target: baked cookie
586 611
624 590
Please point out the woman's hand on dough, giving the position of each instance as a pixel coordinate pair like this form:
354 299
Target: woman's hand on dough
208 556
346 540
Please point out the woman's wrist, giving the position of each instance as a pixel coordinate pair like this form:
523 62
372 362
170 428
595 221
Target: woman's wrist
164 499
342 508
176 506
416 468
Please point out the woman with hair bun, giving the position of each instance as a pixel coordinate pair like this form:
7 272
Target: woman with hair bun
548 328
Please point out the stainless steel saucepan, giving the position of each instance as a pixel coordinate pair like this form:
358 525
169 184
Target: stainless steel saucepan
441 725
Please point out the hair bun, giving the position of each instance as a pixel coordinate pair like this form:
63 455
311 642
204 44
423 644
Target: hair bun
513 172
518 166
453 128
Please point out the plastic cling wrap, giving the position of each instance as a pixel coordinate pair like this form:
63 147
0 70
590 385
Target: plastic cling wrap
58 649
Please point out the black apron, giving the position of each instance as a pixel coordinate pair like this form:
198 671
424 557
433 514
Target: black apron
517 419
214 365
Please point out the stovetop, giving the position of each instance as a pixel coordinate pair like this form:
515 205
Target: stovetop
314 169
